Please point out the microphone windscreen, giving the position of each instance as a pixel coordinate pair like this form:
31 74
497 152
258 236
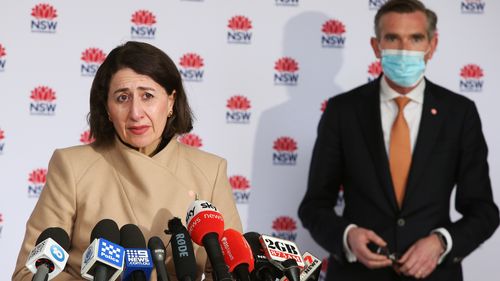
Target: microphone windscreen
132 237
182 250
57 234
236 249
107 229
155 244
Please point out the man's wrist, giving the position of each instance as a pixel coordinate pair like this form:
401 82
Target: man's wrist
442 241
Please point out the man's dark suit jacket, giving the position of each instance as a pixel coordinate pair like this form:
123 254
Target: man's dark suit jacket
450 151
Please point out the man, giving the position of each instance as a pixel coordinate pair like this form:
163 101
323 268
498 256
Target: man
398 146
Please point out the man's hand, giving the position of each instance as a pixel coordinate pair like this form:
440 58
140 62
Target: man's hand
422 257
358 239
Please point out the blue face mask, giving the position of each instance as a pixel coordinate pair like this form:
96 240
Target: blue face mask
403 67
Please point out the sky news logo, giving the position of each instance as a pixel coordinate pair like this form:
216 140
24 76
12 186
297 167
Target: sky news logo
239 30
85 137
292 3
472 6
375 4
286 72
285 227
241 189
191 140
471 78
43 20
37 179
333 34
374 70
143 22
2 142
238 110
91 58
3 53
192 67
42 101
285 151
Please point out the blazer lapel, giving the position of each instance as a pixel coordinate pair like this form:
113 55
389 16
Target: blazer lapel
433 112
371 123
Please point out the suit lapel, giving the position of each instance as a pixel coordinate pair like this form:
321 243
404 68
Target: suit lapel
369 116
433 112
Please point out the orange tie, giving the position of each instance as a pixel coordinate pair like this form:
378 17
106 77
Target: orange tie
400 151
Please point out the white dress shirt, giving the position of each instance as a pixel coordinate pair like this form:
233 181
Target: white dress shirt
412 114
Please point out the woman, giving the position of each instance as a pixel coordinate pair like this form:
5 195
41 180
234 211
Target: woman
135 171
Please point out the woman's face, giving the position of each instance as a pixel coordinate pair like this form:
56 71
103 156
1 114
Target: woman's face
138 107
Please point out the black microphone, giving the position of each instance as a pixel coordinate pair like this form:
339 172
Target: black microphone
137 257
49 256
182 250
159 254
103 259
263 269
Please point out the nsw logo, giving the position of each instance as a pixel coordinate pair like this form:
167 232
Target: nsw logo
285 227
239 30
472 6
85 138
333 34
471 78
238 110
191 140
191 67
43 20
287 2
91 58
42 101
37 179
374 70
241 189
2 142
286 72
285 151
143 25
375 4
2 58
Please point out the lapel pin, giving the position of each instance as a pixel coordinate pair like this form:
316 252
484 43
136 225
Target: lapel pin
434 111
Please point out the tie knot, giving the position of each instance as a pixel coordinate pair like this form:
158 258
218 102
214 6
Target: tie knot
402 102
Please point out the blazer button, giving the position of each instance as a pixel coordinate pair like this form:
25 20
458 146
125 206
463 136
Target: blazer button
401 222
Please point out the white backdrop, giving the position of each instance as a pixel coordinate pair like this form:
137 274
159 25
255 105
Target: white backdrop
256 73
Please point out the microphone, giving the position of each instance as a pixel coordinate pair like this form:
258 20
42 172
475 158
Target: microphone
103 259
205 225
311 270
138 264
237 254
49 256
264 270
159 254
182 250
284 255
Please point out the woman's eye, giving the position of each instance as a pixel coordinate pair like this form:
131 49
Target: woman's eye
148 96
122 98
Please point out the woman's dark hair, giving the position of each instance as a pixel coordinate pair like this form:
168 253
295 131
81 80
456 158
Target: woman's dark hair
147 60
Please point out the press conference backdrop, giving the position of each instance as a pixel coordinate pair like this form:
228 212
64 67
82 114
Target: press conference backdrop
257 74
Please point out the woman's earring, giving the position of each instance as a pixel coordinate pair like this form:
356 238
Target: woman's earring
170 114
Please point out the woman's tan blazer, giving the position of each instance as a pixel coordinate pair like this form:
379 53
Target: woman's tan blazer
85 185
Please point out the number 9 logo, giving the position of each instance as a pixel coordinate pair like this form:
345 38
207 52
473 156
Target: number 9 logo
57 252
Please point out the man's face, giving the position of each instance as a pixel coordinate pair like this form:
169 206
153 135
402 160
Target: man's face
404 31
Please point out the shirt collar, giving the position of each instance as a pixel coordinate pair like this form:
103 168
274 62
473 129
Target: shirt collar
387 93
